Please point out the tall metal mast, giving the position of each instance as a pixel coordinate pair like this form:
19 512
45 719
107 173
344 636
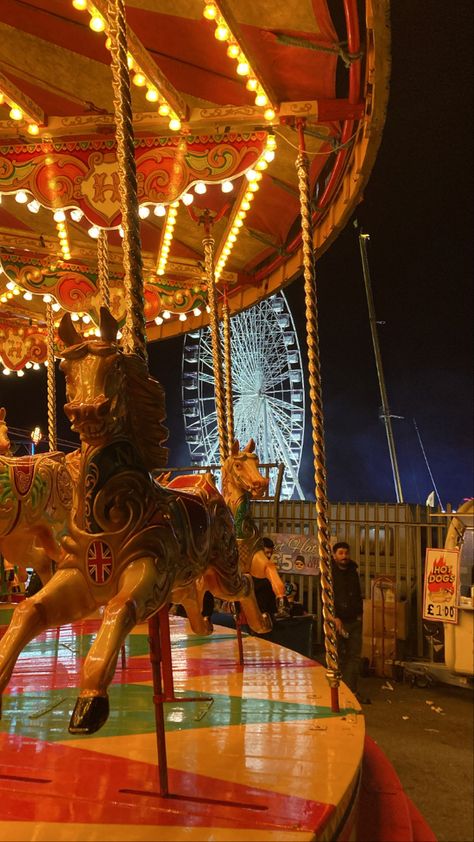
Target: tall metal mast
385 415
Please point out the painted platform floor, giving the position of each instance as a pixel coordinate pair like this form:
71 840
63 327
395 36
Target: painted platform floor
266 759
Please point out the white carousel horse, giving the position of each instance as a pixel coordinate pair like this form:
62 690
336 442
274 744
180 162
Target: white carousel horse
35 505
132 542
242 482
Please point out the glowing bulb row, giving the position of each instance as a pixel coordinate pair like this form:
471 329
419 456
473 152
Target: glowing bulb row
17 114
182 317
167 237
60 219
20 372
98 24
253 177
223 33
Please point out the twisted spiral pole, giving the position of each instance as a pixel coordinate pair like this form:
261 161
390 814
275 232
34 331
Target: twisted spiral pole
134 340
208 245
229 404
317 422
103 268
51 379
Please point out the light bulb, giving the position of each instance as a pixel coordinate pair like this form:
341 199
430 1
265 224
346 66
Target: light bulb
187 198
261 99
75 317
28 296
36 367
121 232
164 109
160 210
47 299
21 197
86 318
269 114
174 124
182 317
10 285
251 175
6 371
33 129
210 11
243 68
94 232
76 214
28 365
233 50
16 113
166 314
158 320
251 84
97 23
227 187
59 216
200 188
20 373
269 155
151 95
139 80
56 307
33 206
143 211
221 32
80 5
197 311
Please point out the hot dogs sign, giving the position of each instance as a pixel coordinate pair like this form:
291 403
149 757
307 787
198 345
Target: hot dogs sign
440 596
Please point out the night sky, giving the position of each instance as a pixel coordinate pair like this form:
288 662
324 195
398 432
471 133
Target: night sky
417 209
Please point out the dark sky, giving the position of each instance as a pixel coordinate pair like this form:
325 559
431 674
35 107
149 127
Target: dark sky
417 209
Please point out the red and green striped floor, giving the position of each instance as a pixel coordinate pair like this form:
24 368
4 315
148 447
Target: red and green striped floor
265 759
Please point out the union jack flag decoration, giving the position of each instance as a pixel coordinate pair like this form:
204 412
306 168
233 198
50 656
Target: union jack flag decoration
99 562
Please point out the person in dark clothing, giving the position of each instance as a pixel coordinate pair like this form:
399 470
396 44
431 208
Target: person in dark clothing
348 607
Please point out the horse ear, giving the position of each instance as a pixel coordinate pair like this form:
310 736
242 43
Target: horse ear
250 446
2 413
108 325
68 332
235 447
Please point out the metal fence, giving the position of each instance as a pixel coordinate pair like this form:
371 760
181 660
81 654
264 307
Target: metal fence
386 539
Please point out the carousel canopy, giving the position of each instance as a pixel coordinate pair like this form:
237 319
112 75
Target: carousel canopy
223 95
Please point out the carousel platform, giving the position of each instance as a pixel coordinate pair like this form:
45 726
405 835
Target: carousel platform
263 758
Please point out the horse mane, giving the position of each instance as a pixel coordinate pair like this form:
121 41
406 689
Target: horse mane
146 406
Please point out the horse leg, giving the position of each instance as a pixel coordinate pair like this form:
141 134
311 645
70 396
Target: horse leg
65 598
190 597
216 583
142 591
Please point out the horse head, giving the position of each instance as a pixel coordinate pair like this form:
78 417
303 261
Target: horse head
4 440
110 394
241 475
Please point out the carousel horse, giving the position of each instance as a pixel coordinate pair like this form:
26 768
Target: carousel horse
131 543
242 482
35 504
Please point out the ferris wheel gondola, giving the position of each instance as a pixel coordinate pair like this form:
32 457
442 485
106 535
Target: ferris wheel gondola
267 385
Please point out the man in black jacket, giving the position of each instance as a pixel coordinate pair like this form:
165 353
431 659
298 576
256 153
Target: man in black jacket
348 608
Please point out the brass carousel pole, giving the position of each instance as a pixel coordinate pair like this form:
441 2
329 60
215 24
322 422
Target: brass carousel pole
208 245
51 380
317 422
134 339
227 335
103 268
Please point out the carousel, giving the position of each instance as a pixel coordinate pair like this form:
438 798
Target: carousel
165 166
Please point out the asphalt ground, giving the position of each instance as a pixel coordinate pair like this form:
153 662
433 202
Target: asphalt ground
428 736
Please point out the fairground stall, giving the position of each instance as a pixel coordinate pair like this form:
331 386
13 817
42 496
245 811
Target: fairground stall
163 166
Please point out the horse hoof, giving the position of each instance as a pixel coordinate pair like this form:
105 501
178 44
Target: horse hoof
265 626
89 714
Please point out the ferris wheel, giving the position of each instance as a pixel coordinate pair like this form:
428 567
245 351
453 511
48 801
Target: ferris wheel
267 385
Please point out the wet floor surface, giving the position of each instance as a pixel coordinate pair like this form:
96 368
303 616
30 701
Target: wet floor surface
427 734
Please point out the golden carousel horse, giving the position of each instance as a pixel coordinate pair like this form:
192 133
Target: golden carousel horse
132 542
242 482
35 505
